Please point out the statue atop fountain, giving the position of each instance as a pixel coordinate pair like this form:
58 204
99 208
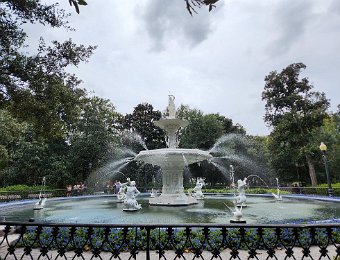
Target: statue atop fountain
172 160
130 202
241 197
171 107
197 191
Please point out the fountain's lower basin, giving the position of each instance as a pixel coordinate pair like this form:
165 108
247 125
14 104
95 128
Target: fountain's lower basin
98 209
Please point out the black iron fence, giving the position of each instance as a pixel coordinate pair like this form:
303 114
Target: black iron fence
197 241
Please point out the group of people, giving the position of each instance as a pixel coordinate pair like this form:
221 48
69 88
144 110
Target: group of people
77 189
113 188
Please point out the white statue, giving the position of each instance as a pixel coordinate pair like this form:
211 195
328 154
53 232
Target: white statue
241 197
122 191
171 107
197 191
130 201
237 213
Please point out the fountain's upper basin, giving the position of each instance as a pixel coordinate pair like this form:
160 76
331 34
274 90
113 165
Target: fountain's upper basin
176 156
171 123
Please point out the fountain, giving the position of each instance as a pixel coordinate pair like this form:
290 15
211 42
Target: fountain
153 193
277 196
42 196
172 161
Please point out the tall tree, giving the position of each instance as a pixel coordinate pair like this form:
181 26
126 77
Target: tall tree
204 129
36 88
141 121
329 133
94 136
293 110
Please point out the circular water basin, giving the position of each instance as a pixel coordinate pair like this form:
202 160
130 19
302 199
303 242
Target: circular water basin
259 210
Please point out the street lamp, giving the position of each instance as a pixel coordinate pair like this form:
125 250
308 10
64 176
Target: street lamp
323 149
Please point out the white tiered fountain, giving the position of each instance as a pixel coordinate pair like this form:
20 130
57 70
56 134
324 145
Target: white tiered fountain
172 161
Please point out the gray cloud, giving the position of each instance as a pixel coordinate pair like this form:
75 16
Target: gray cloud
290 19
335 7
169 22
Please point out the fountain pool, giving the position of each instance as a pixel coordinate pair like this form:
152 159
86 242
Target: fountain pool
98 209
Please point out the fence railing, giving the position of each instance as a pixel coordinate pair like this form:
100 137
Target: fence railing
186 241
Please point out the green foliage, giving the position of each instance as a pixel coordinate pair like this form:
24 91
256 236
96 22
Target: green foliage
22 188
202 132
248 191
141 122
204 129
294 111
93 137
329 133
182 239
40 101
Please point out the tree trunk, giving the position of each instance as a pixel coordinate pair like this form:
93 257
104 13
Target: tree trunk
311 171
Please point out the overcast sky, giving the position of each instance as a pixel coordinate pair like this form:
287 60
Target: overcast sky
216 62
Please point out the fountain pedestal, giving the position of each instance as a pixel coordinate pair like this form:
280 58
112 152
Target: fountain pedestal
172 161
172 190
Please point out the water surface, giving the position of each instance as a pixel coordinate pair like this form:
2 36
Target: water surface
211 210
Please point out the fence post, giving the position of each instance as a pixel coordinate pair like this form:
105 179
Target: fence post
148 243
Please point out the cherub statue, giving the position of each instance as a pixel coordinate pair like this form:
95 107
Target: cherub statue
130 201
241 198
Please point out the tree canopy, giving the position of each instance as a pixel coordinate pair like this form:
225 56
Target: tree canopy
294 110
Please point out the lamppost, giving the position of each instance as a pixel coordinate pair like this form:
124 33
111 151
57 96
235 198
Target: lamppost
323 149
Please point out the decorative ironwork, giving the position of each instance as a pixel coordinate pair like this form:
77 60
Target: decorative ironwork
202 241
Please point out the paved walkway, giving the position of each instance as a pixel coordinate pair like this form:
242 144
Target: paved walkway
280 254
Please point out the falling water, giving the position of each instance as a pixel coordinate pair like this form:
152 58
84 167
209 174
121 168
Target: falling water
123 151
230 139
278 187
240 159
185 161
134 138
222 169
256 176
112 168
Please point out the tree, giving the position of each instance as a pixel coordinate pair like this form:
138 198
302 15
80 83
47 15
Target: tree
190 4
12 133
36 90
294 110
204 130
141 121
229 127
94 137
329 133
